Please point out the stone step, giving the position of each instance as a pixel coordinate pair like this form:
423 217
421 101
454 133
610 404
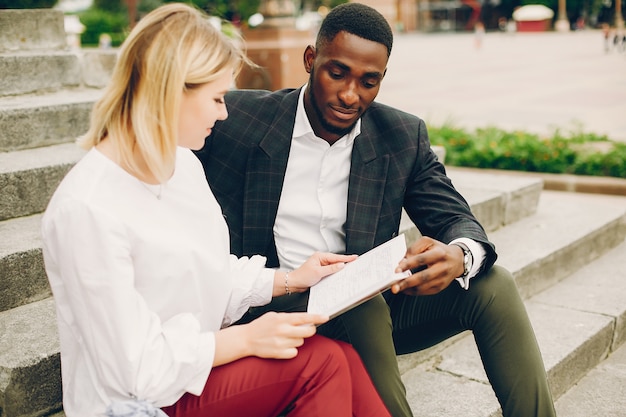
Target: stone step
97 65
30 121
568 231
27 72
516 196
578 320
566 182
600 393
33 71
594 298
29 177
29 361
577 323
32 30
22 276
496 199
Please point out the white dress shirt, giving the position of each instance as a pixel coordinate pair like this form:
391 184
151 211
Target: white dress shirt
141 284
313 203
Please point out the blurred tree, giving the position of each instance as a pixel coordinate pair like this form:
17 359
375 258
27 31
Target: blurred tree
504 8
104 16
553 4
226 8
585 8
146 6
113 6
112 16
98 22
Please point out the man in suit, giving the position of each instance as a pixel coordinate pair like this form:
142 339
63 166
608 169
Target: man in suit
325 167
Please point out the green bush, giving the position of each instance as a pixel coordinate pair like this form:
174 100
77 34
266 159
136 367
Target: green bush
610 164
112 6
577 153
111 17
98 21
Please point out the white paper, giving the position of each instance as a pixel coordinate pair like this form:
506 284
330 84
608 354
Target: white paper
360 280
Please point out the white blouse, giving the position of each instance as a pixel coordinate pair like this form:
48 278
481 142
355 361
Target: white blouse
141 283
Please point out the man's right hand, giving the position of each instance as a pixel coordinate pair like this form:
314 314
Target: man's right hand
434 265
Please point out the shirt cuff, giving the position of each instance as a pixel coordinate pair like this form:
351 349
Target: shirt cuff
478 256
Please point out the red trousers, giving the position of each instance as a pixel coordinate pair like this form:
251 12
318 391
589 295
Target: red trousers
325 379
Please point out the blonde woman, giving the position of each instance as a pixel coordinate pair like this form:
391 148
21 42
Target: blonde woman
137 255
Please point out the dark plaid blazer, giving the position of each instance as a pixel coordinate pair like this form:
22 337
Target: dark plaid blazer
393 167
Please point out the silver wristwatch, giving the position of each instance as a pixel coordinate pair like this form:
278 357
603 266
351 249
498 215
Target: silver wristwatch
468 259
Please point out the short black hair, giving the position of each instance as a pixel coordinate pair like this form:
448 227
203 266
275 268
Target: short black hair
357 19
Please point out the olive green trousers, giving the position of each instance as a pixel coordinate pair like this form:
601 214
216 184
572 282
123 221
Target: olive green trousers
492 309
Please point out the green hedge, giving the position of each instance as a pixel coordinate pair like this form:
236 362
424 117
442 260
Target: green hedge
99 21
575 153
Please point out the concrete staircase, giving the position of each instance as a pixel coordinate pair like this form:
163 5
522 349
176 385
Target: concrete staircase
567 251
568 259
46 94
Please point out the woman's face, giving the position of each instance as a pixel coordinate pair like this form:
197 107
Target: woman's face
199 110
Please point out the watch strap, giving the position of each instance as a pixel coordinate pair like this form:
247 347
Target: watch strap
468 259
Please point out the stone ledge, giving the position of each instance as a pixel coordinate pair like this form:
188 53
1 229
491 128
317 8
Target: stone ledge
568 231
29 177
577 322
30 360
31 121
565 182
30 72
32 29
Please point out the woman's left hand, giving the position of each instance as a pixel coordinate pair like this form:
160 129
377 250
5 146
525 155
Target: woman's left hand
318 266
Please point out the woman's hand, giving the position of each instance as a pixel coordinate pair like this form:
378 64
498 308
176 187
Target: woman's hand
278 335
318 266
273 335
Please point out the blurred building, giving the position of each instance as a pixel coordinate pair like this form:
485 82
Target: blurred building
433 15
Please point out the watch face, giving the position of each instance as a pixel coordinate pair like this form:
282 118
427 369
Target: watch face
467 262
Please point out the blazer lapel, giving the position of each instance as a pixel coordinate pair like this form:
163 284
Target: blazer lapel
264 177
368 175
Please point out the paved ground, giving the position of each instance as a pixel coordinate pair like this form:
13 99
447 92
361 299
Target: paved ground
532 81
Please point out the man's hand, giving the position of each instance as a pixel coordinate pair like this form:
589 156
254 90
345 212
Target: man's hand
434 265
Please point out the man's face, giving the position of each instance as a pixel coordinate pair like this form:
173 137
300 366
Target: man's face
345 77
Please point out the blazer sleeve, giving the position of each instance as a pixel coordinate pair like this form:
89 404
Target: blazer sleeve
433 203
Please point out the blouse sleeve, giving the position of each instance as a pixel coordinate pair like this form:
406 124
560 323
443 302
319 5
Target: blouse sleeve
133 353
252 286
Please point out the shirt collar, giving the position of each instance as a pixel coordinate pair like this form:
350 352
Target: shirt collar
302 126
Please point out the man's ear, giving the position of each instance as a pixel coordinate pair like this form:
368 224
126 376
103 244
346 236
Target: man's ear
309 57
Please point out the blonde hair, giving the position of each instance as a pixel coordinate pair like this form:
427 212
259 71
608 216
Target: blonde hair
172 49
